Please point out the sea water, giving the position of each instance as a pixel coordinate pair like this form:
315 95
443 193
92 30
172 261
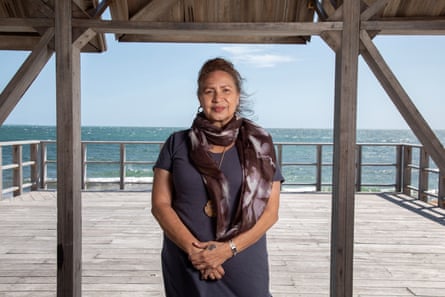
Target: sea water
293 174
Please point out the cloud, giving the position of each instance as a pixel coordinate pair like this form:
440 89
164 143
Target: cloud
258 56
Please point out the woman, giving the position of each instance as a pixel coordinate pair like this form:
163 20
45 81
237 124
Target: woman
215 194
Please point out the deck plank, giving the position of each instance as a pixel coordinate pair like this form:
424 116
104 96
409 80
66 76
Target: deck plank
399 246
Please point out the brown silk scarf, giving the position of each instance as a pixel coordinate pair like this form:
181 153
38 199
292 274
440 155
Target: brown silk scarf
257 156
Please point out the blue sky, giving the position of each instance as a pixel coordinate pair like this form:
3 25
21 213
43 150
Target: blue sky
291 86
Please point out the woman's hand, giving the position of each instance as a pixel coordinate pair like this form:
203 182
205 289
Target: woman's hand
209 258
212 274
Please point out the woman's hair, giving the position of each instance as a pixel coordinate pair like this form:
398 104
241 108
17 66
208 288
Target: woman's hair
221 64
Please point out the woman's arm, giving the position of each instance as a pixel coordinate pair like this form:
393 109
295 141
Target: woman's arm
168 219
210 258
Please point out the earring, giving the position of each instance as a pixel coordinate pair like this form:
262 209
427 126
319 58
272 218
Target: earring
200 109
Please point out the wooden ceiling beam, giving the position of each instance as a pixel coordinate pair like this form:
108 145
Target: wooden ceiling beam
406 27
213 38
373 9
153 9
24 25
228 29
390 27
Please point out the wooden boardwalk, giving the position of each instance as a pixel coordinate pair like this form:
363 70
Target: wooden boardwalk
399 246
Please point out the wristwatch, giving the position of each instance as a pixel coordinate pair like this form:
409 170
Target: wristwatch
233 248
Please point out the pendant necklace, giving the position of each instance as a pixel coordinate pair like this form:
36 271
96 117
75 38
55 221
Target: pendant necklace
209 208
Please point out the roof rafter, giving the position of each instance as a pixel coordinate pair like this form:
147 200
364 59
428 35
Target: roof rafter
154 9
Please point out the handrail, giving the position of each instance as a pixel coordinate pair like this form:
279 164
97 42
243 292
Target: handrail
410 170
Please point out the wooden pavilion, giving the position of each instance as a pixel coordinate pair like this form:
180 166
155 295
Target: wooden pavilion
70 27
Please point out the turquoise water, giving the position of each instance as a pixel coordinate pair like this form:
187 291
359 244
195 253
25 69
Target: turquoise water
17 132
293 174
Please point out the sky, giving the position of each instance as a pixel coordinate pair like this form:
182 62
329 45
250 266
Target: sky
290 86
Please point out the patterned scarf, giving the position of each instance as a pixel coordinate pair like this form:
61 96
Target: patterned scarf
257 156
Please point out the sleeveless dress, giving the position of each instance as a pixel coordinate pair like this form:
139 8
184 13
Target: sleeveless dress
246 274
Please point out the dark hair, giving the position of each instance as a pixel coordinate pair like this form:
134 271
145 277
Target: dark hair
221 64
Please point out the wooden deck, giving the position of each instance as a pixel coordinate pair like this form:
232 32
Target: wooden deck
399 246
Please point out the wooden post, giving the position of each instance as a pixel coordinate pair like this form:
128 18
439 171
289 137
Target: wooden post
17 177
123 157
43 164
441 193
423 175
69 229
399 170
345 112
84 166
34 156
407 170
319 161
358 168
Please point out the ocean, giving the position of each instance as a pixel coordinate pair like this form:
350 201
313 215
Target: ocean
294 174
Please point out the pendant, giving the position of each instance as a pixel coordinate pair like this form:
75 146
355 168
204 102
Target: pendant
209 209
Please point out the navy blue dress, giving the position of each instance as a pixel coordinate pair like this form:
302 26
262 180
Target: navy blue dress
247 274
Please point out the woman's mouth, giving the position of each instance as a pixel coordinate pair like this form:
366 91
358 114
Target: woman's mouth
218 108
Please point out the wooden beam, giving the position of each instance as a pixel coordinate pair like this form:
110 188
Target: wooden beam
229 29
430 26
69 229
373 9
80 41
212 38
24 77
426 26
153 9
24 25
402 101
343 193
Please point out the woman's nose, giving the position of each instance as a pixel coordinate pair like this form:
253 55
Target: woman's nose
217 96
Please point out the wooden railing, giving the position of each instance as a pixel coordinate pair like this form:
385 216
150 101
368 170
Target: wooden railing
16 167
410 169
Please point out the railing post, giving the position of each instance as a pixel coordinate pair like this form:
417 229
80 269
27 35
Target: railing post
122 166
358 168
34 155
407 170
84 165
423 175
43 164
399 162
319 167
17 178
441 193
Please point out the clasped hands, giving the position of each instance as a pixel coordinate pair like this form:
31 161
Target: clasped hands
207 257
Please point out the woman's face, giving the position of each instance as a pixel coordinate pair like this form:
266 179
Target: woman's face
219 97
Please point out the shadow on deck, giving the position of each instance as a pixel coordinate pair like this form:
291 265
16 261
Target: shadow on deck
399 251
